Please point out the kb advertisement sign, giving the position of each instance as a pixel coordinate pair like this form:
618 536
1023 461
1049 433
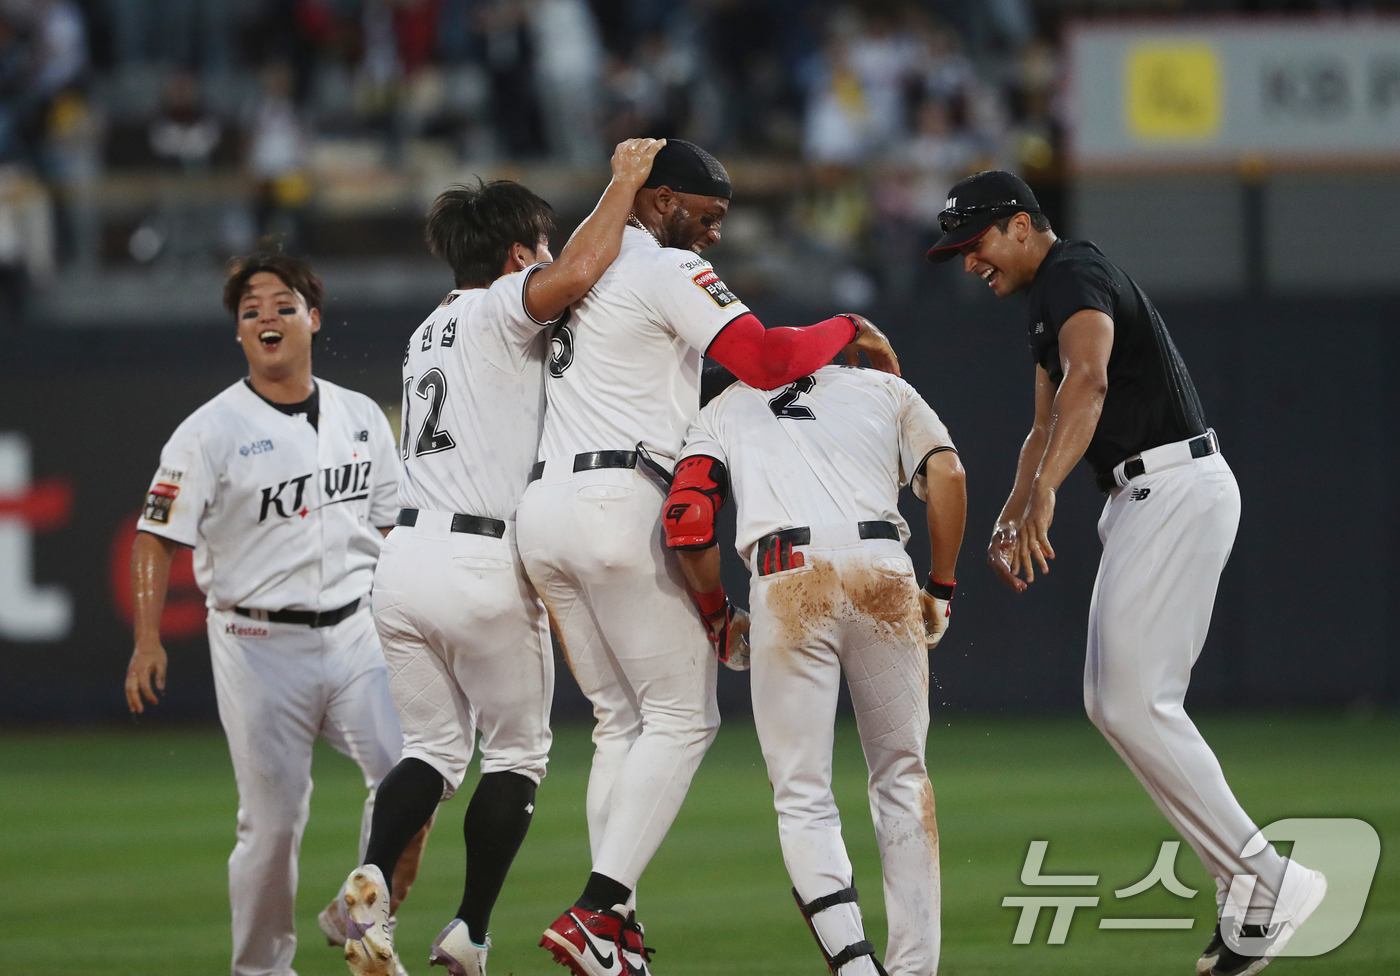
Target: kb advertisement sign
1219 93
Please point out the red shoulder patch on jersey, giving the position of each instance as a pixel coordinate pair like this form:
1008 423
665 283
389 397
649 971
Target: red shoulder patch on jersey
715 288
158 502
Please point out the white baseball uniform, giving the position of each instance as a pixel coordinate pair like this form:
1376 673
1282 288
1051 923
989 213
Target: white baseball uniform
283 517
830 453
465 636
624 374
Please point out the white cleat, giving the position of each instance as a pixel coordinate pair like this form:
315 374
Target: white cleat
455 950
369 930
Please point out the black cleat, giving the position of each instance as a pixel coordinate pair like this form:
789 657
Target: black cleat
1211 953
1231 963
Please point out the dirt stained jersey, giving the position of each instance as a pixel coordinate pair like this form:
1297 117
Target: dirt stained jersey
472 401
625 368
833 448
281 515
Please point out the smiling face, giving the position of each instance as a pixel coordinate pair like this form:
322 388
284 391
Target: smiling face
275 328
1005 260
689 221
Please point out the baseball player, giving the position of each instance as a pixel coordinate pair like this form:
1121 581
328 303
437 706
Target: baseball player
815 472
622 388
465 636
1111 387
281 484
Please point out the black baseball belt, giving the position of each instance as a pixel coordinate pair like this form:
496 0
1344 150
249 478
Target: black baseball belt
308 618
774 552
470 524
594 460
1202 446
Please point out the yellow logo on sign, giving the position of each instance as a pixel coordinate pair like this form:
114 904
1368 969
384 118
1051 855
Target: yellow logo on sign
1173 91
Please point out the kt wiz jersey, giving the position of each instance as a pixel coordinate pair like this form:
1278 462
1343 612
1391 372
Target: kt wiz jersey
281 515
625 368
473 397
835 447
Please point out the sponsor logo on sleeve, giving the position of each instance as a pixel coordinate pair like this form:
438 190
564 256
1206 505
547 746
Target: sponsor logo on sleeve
172 475
693 263
715 288
158 502
257 447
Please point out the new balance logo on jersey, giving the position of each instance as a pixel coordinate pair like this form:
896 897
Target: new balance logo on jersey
1140 494
1039 328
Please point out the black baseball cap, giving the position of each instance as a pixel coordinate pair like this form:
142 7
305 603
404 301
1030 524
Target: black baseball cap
686 168
974 204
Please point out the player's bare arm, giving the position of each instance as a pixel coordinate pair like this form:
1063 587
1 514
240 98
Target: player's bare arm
151 557
1001 551
946 505
594 246
1086 341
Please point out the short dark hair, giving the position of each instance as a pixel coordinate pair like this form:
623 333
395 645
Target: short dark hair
1039 221
473 228
294 272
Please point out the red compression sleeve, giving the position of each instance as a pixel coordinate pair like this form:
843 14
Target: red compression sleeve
770 358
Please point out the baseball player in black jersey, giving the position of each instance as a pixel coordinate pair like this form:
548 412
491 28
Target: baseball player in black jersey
1111 387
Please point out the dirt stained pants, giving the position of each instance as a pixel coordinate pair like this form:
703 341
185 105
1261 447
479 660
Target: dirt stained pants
853 608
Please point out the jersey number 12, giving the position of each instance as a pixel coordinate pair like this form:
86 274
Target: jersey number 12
432 387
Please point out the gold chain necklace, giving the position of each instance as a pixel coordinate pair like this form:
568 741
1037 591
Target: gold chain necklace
632 221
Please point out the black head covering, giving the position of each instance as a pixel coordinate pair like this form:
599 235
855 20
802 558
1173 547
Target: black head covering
974 204
686 168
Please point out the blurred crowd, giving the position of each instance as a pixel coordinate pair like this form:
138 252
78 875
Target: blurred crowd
879 105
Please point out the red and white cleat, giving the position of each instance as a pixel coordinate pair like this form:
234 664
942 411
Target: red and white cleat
592 944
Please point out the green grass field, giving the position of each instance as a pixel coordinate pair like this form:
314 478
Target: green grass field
113 848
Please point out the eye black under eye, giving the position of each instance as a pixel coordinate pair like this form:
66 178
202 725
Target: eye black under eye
252 313
289 310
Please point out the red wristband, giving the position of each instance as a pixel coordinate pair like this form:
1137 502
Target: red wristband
710 603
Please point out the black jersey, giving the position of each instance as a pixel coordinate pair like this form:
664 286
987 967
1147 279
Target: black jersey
1151 399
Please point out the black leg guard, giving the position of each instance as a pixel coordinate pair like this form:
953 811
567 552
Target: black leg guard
853 951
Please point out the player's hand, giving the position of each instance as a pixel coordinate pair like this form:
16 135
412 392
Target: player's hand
936 617
631 160
728 630
1033 536
1001 554
145 675
873 343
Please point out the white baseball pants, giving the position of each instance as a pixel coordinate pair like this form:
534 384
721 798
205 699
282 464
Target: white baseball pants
467 645
1166 537
276 693
593 545
852 608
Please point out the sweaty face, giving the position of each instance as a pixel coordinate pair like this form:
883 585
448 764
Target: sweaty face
275 326
693 222
998 259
